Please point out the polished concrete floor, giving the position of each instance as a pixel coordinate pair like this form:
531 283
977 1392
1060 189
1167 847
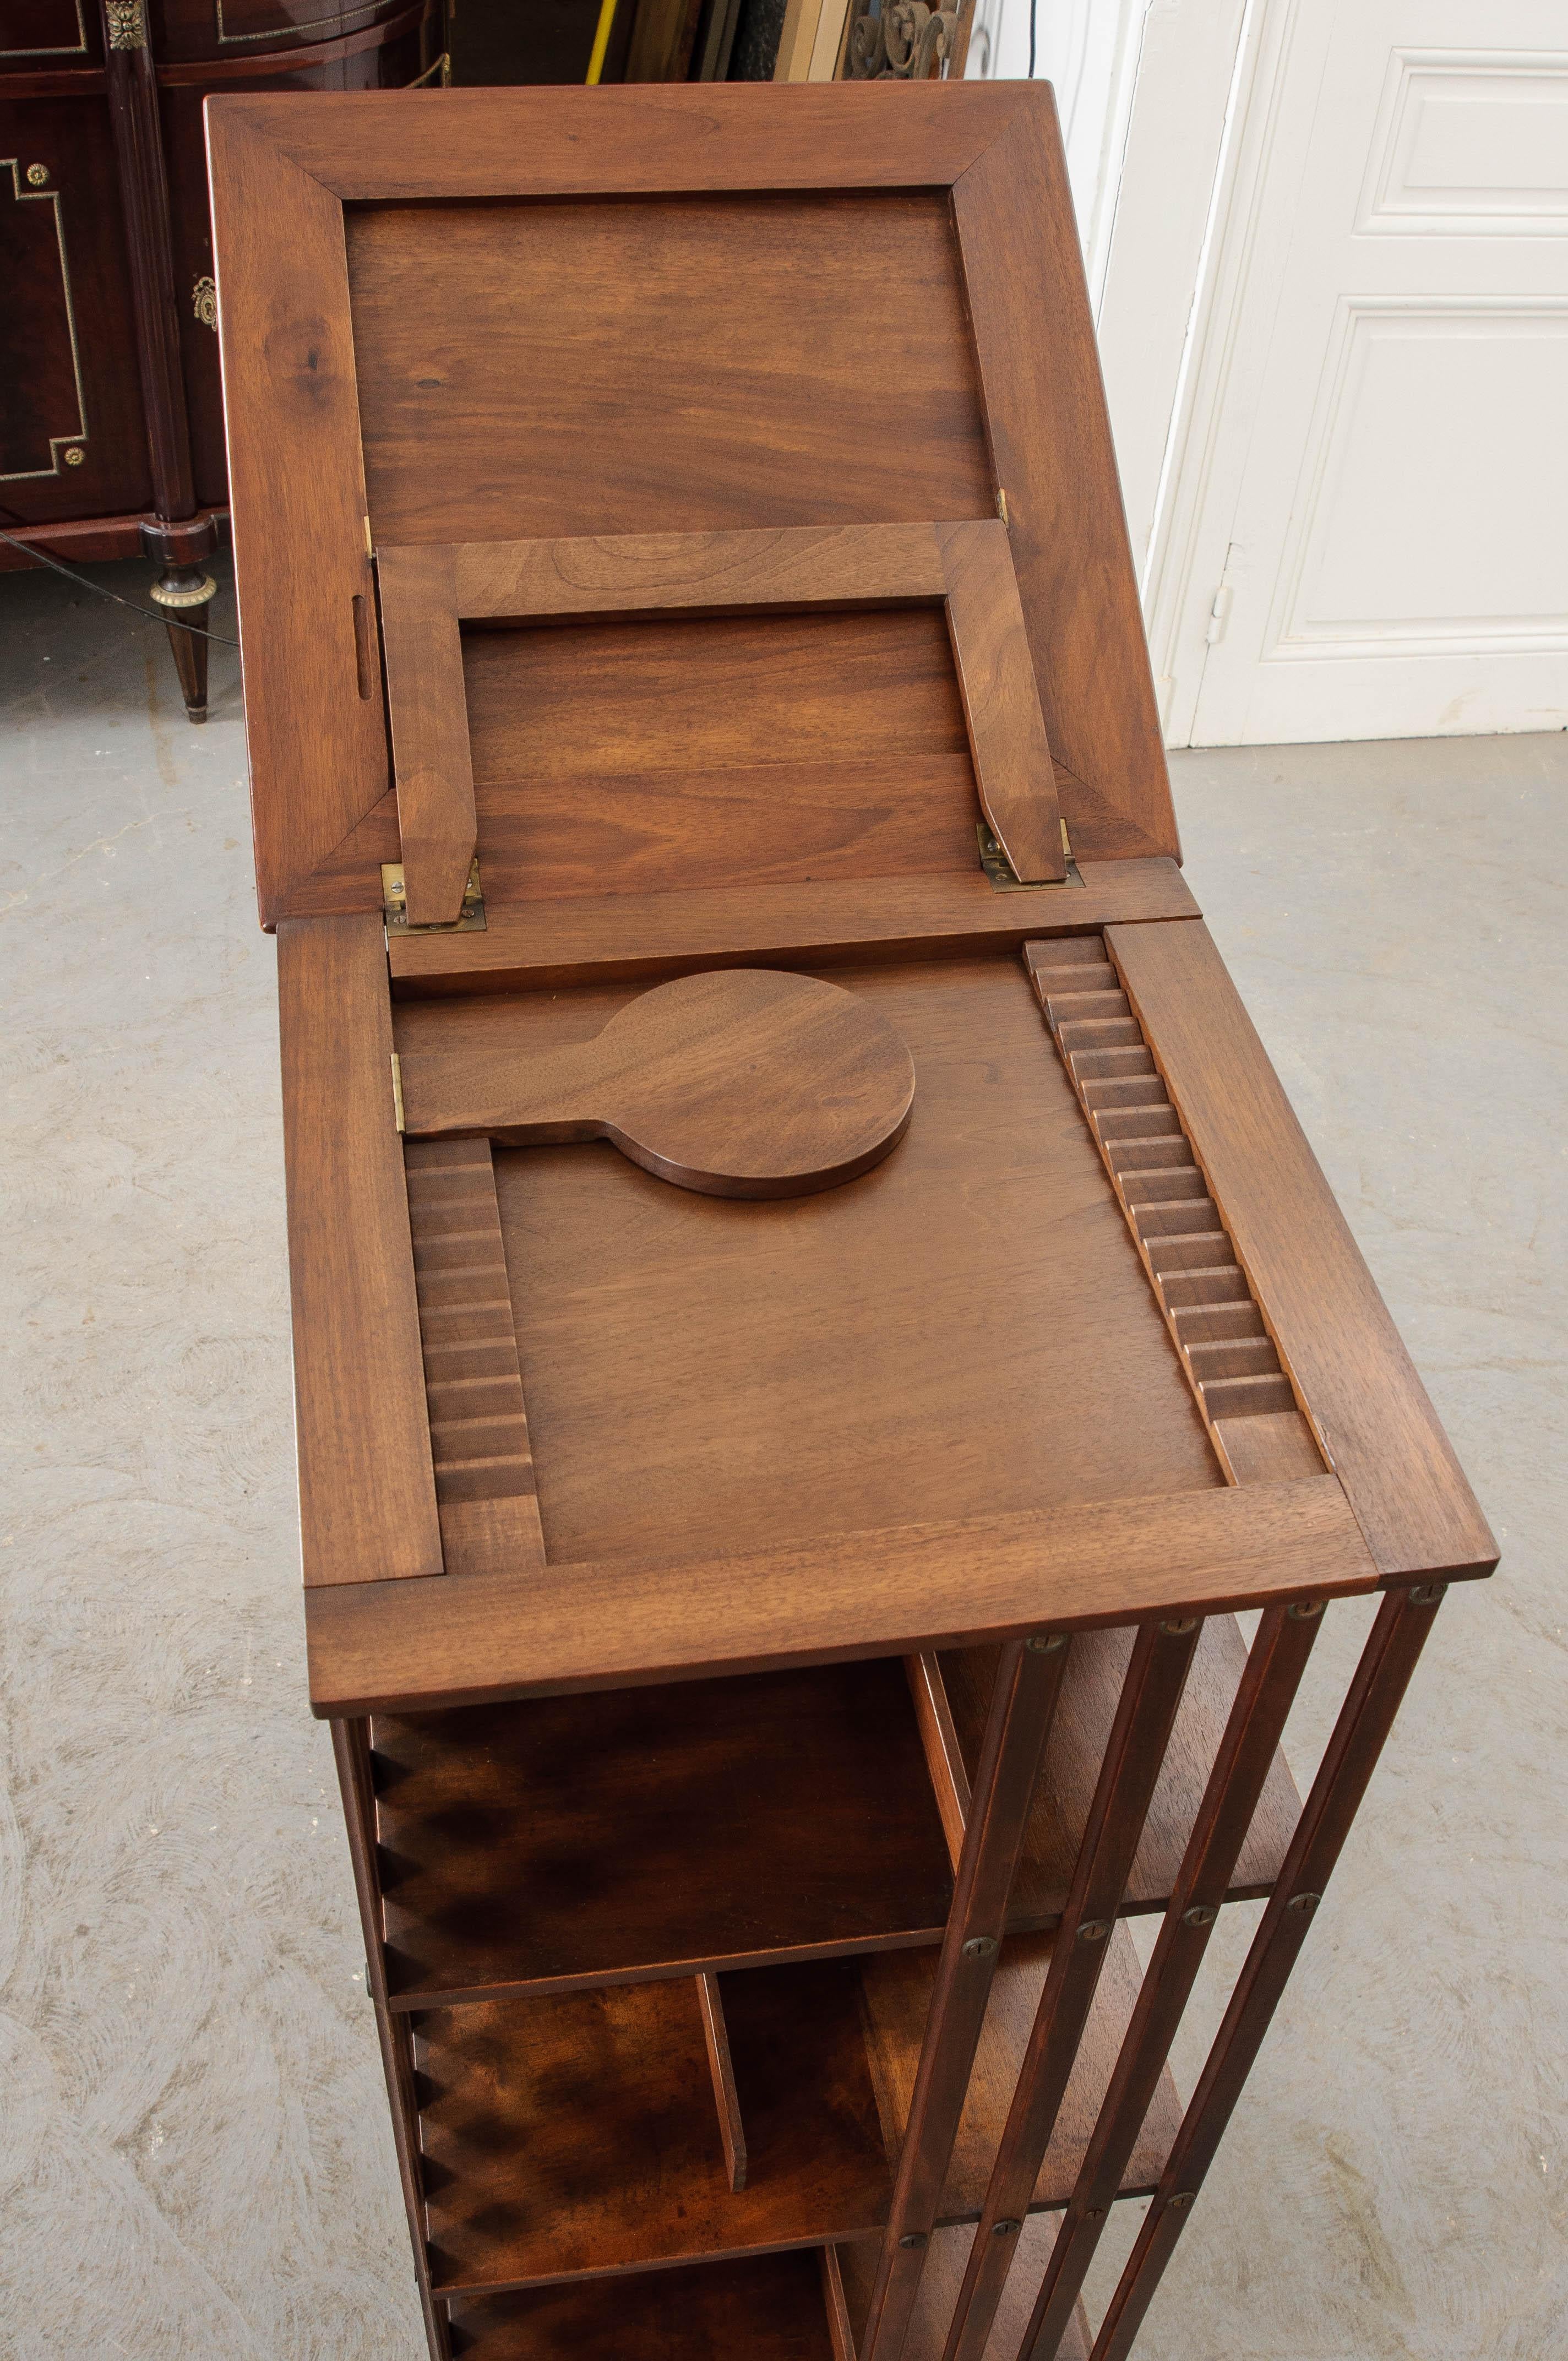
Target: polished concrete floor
194 2158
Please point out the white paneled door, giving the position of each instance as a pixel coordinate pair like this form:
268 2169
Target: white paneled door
1369 535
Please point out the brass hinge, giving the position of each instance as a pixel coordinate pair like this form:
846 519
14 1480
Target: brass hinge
397 1088
1004 878
395 905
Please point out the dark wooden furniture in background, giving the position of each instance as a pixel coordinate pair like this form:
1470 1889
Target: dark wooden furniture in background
111 412
771 1647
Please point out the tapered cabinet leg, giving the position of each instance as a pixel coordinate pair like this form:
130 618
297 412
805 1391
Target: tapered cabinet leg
184 592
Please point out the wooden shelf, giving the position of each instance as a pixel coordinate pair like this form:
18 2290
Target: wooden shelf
655 1831
1076 1750
577 2133
768 2308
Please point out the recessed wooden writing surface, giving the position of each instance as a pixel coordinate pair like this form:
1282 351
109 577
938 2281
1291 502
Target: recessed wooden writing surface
534 371
967 1328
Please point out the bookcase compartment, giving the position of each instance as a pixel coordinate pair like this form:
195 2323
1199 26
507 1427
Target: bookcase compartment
655 1831
766 2308
582 2132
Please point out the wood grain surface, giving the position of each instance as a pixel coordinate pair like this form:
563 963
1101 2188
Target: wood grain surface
368 1505
967 567
317 746
877 1355
1378 1429
599 938
1035 344
888 1591
755 216
423 658
578 2134
746 1083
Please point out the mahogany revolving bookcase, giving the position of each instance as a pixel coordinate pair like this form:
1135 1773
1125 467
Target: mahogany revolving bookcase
813 1315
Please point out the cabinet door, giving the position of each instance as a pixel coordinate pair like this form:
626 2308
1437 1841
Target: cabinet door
73 441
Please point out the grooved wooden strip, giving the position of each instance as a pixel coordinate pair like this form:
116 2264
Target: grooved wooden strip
478 1431
1226 1352
1316 1293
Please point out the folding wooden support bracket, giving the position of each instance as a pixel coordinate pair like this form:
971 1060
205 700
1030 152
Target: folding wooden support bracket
428 590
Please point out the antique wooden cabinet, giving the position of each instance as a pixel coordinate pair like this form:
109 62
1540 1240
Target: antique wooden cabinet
812 1311
111 412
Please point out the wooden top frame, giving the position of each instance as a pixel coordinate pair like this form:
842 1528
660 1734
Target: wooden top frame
285 170
1309 1463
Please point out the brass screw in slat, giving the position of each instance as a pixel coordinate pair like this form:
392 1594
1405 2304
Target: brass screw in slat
1201 1915
979 1946
1304 1610
1303 1902
1045 1644
1094 1930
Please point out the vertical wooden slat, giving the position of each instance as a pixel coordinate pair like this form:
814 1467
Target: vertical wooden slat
1268 1685
1012 770
428 709
1381 1678
394 2029
726 2098
1029 1681
1134 1750
943 1750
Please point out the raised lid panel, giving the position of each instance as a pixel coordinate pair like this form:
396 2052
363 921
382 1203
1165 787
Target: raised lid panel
677 365
967 1329
665 756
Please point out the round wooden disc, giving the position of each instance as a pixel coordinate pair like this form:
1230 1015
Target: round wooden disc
748 1083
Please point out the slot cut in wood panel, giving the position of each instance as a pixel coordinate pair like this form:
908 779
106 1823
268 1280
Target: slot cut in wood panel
478 1426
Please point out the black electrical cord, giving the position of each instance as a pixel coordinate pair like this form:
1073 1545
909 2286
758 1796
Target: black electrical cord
1033 5
147 614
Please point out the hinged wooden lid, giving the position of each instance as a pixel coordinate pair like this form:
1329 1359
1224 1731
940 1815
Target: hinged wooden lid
851 306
